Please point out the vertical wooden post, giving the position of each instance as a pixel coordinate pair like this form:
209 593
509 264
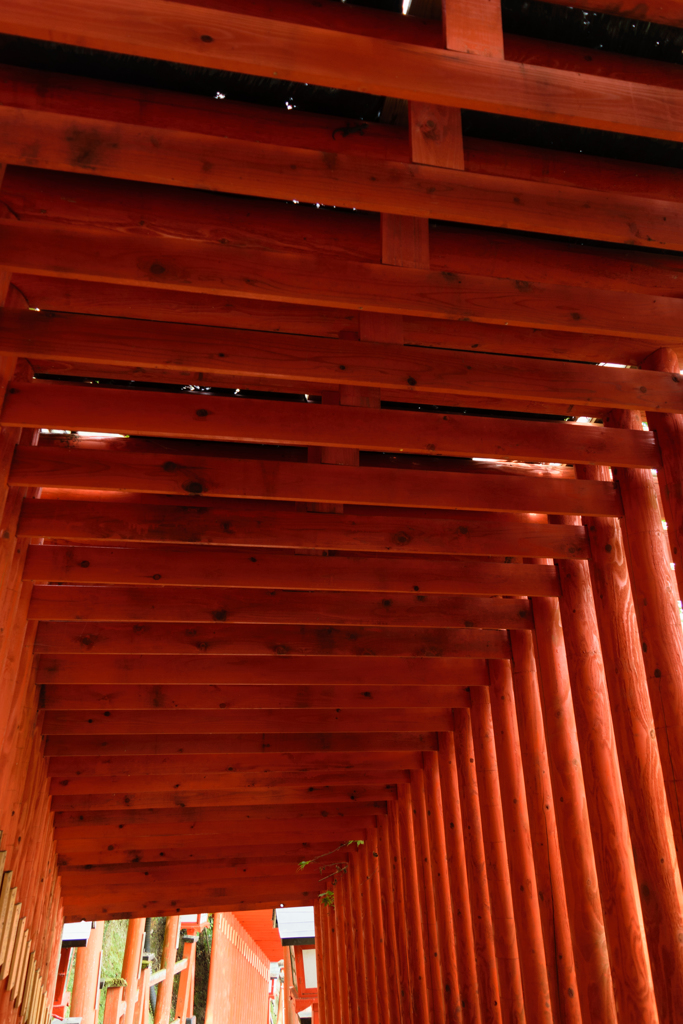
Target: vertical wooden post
502 911
330 965
358 943
185 999
168 957
559 953
422 842
518 841
655 596
669 430
344 896
416 940
442 894
474 26
589 942
383 951
390 909
320 951
407 979
632 979
343 980
457 873
480 899
645 794
131 963
86 977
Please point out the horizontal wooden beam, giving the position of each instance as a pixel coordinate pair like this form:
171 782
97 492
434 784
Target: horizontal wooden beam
277 865
267 640
157 821
252 744
171 156
77 854
257 766
169 565
235 41
190 671
194 698
233 897
69 95
118 723
73 407
229 525
174 306
226 783
252 478
75 848
90 254
178 604
286 794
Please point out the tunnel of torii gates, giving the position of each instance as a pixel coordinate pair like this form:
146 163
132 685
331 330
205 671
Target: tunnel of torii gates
342 481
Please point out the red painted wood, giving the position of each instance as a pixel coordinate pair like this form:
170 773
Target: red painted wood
256 46
639 757
559 953
523 882
655 598
434 950
98 255
595 992
624 927
499 882
416 938
173 565
480 898
669 432
459 897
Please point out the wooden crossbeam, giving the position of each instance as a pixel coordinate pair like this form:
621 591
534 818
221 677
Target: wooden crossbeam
260 768
240 42
211 268
302 794
225 722
225 784
152 473
226 744
226 525
170 156
184 565
268 640
178 604
164 821
103 876
189 671
173 306
192 216
216 698
423 371
76 854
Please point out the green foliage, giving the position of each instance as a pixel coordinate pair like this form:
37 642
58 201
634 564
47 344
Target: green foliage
327 898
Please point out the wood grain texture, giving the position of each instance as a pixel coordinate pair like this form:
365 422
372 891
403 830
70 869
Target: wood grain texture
655 596
178 604
194 567
624 928
639 759
101 255
310 720
252 478
64 142
270 48
63 406
230 524
594 981
217 698
559 953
